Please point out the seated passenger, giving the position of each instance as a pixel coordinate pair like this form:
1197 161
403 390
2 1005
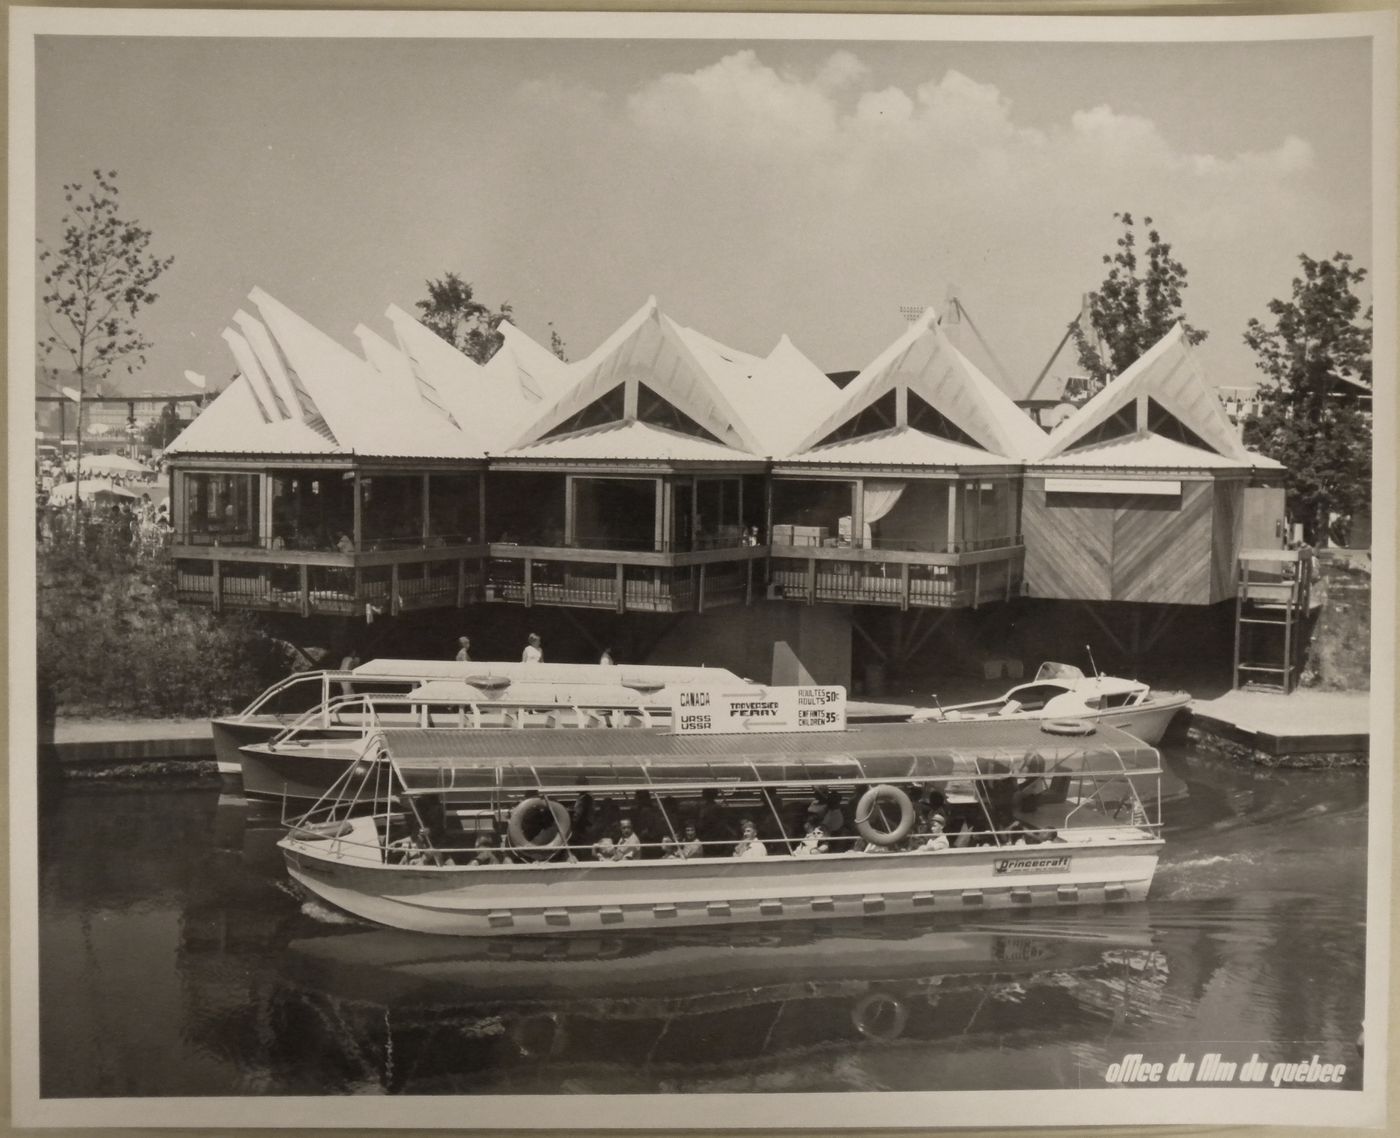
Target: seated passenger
936 839
690 844
749 846
629 846
813 840
604 849
486 851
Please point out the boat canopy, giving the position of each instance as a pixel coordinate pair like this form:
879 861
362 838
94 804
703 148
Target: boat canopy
497 673
529 692
431 761
1053 671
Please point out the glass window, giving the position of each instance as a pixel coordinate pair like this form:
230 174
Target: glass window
312 509
615 513
391 510
454 514
222 509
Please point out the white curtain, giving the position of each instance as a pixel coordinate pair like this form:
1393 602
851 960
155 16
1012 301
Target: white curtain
880 498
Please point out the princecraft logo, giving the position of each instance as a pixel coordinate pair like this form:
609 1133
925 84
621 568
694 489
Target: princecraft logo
1051 863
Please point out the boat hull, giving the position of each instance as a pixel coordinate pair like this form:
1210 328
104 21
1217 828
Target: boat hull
514 900
1147 722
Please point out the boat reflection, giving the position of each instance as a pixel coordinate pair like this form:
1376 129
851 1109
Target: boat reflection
405 1013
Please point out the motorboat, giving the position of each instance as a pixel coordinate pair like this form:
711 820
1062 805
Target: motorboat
1062 692
480 833
341 705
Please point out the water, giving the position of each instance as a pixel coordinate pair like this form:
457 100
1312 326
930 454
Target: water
176 960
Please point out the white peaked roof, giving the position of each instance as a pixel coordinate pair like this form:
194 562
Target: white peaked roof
623 440
537 373
300 392
778 396
1168 374
652 350
924 363
392 365
905 446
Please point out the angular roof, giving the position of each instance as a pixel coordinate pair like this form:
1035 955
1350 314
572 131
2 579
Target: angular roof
924 363
537 374
629 439
300 392
1169 376
650 350
1154 452
904 446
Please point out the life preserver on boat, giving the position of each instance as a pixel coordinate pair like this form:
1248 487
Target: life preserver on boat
870 801
523 843
538 1036
1067 726
879 1016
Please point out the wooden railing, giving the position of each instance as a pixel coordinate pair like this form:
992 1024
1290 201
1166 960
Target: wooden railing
907 580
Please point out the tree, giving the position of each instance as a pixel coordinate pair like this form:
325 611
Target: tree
97 278
453 312
1314 355
1134 307
556 342
161 432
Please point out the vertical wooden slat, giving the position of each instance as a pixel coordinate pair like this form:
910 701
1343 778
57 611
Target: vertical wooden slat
904 585
461 582
858 512
359 511
529 581
427 523
621 585
976 584
481 505
305 589
748 582
952 516
811 580
218 583
394 588
700 591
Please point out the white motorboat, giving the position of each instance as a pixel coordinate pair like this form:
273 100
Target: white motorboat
480 833
1062 692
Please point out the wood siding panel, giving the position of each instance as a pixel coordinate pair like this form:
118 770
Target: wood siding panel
1228 538
1069 545
1162 549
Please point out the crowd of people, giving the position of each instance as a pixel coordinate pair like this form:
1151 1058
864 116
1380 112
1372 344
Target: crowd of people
607 829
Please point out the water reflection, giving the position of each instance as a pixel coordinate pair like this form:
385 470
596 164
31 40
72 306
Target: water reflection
177 960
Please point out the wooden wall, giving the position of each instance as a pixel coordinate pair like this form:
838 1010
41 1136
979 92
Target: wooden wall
1228 538
1126 547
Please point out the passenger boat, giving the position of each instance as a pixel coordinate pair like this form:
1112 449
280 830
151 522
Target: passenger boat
1062 691
321 705
488 833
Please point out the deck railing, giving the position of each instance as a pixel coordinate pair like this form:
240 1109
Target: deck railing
955 583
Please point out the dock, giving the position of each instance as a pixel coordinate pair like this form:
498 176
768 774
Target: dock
82 748
1303 729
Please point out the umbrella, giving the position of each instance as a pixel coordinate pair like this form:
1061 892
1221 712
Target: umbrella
113 464
88 489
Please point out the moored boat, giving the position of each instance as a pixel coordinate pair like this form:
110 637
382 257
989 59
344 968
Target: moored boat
316 707
496 833
1064 692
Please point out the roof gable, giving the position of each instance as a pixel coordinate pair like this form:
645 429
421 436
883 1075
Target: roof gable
923 362
1187 409
649 350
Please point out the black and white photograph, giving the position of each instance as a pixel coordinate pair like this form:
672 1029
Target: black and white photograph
689 571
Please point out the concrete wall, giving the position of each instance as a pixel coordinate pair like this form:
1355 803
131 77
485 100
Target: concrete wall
770 641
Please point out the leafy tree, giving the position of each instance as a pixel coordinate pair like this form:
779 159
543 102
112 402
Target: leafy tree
161 432
1308 418
1134 307
97 278
453 312
556 342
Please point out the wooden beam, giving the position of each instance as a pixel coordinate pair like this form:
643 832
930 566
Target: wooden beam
858 512
933 625
869 640
621 587
1104 628
748 582
461 582
427 522
359 511
952 516
904 586
977 584
700 591
394 589
218 583
811 580
529 581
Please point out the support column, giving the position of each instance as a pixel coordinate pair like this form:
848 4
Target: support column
427 525
858 513
570 538
529 581
904 586
621 586
218 584
700 590
305 589
811 580
658 532
481 505
359 512
461 582
394 589
952 516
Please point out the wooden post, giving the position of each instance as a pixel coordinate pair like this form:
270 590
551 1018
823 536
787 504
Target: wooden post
658 533
1241 588
858 513
811 580
461 581
218 583
359 514
700 590
952 516
427 522
305 589
264 510
569 519
904 586
394 588
976 584
1288 629
481 505
748 582
529 581
621 586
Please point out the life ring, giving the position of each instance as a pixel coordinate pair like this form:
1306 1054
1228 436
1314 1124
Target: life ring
538 1036
879 1016
532 847
1067 727
865 808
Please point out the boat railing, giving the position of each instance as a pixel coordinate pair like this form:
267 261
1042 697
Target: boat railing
338 712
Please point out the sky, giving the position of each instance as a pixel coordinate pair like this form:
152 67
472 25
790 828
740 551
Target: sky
755 188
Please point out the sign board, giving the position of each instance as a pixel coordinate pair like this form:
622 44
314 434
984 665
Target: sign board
804 708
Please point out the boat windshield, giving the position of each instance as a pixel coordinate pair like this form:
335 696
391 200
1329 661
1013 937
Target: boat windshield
1053 671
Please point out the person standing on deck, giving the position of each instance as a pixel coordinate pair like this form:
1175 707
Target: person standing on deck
464 649
533 653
